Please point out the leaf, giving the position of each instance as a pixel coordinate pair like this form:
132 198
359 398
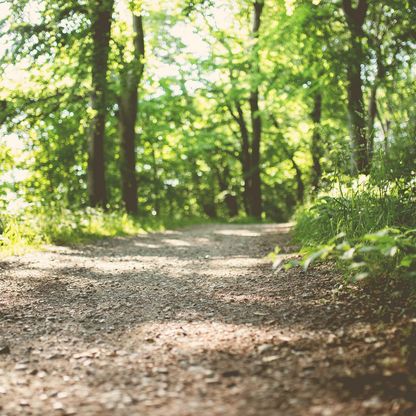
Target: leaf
277 250
349 254
291 264
337 237
379 235
273 255
390 251
277 263
360 276
407 261
357 265
344 246
314 256
366 249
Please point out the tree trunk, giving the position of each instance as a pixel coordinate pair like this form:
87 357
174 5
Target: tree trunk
316 145
250 150
355 19
372 105
372 112
101 28
245 159
300 186
255 189
205 198
232 205
224 185
156 190
128 105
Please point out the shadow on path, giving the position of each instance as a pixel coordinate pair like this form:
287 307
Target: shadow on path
192 322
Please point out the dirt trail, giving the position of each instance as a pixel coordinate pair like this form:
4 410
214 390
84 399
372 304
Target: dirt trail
191 322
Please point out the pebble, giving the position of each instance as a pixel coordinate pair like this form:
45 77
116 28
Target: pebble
4 349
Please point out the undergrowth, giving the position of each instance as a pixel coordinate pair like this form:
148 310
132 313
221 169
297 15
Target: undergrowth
367 227
34 228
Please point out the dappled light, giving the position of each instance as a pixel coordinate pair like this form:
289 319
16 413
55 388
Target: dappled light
207 208
238 233
176 243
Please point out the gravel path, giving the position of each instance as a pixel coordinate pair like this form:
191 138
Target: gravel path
192 322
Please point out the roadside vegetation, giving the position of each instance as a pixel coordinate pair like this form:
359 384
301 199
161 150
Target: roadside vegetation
367 224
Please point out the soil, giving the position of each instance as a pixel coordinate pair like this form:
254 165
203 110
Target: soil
196 322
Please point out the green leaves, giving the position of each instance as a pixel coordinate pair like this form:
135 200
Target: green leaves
387 251
321 254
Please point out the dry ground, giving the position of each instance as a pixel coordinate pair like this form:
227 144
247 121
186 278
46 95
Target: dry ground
195 322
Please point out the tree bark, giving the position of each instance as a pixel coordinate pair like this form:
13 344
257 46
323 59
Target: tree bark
205 198
128 107
355 19
101 28
245 156
224 185
372 105
300 186
256 122
156 189
250 149
245 159
316 145
372 112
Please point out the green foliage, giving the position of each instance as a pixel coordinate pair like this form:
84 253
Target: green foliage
64 226
389 252
355 209
369 228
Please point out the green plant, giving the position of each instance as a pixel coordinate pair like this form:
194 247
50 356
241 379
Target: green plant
390 251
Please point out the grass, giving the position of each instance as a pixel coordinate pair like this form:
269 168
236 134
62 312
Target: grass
370 230
61 226
355 212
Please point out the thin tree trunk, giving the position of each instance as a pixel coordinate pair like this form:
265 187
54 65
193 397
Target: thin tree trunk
372 112
316 146
355 18
205 199
232 205
245 157
224 185
372 105
385 126
300 187
156 190
101 29
128 106
256 123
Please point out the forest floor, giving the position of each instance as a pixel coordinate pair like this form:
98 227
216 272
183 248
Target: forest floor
196 322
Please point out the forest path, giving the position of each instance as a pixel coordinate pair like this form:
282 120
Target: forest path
189 322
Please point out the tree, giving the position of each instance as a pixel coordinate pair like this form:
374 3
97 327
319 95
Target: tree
355 17
254 174
316 145
131 74
102 11
250 138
